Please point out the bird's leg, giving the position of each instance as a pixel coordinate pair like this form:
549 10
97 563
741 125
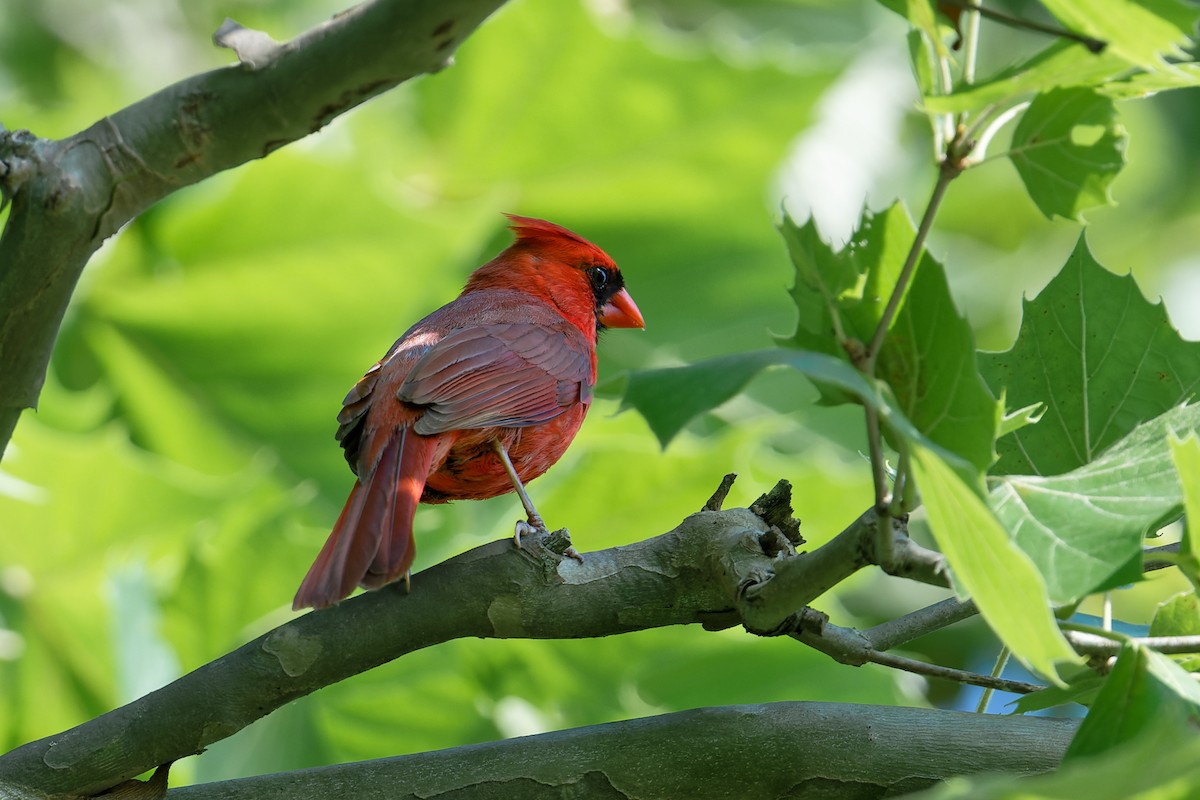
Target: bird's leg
535 519
535 523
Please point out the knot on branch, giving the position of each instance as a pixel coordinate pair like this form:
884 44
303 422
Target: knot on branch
18 162
775 509
253 48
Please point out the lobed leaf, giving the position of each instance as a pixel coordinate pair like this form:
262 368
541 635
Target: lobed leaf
927 356
1100 356
1140 31
1084 528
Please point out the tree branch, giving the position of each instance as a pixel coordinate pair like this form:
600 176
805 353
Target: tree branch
69 195
684 576
834 750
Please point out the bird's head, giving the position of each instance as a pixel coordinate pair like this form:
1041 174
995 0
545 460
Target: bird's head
551 261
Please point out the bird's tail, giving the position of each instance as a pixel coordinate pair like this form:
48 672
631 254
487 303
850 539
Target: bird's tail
372 541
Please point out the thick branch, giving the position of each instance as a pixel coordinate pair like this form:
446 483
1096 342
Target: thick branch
680 577
69 195
831 750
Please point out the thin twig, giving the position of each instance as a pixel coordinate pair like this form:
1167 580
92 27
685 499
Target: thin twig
1089 643
1151 564
916 624
951 674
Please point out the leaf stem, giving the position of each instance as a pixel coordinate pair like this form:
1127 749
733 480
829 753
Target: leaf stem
951 167
1001 663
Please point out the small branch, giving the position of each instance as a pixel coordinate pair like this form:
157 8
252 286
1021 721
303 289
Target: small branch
1091 644
916 624
1150 564
956 675
718 497
849 646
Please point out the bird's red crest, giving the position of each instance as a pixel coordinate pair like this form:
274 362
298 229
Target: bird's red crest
531 229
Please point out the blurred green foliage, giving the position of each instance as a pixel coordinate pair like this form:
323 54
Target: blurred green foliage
181 473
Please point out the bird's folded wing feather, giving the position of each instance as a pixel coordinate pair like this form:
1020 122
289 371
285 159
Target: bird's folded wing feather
509 375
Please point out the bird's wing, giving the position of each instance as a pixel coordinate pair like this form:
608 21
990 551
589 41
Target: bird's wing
508 375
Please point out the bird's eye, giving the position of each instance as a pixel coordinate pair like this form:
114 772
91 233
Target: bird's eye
599 276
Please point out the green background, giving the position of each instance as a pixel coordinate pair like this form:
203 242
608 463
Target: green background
180 475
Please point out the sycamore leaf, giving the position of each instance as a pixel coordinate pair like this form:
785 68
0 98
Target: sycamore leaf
927 355
1067 148
1084 528
988 567
1100 356
670 397
1140 31
1061 65
1145 689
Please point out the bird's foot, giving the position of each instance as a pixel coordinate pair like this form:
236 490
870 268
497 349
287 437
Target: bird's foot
558 541
530 528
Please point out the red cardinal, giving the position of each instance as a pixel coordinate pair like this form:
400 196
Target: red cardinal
483 394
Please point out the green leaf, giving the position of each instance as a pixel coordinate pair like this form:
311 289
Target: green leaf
1061 65
1179 615
1144 689
989 568
1100 356
1141 31
1084 528
1082 690
669 398
927 355
1067 148
1185 453
1144 84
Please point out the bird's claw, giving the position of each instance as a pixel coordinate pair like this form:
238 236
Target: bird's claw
524 528
558 541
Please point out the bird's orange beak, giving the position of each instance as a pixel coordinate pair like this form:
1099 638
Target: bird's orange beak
621 312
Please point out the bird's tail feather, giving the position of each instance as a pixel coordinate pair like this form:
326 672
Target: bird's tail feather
371 543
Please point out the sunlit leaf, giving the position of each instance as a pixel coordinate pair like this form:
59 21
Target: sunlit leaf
1100 356
1141 31
1067 148
1084 528
989 568
1061 65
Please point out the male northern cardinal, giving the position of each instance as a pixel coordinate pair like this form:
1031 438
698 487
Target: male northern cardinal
483 394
